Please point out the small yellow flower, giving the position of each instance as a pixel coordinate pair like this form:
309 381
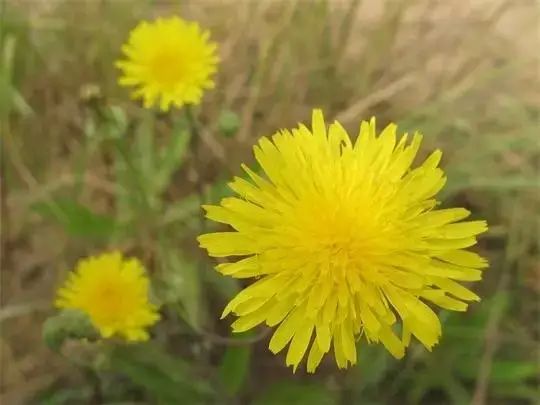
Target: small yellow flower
113 292
169 61
345 240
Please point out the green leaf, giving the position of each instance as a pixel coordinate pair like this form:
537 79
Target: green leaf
513 371
456 391
296 393
133 200
76 219
172 156
226 287
168 379
183 210
62 396
373 364
10 98
527 392
143 148
235 366
178 284
116 122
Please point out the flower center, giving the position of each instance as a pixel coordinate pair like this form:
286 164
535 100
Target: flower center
342 236
168 67
340 251
335 239
112 301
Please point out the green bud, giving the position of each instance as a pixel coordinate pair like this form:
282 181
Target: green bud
68 324
228 123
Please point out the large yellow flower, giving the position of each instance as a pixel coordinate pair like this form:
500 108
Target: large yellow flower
113 292
345 240
169 61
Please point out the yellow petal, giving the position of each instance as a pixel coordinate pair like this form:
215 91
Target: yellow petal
247 190
317 123
442 269
426 333
322 334
279 311
247 267
369 320
405 334
286 330
450 244
463 258
442 217
347 342
337 138
433 160
391 342
456 289
339 352
461 230
299 344
329 309
250 306
314 358
404 159
424 314
438 297
222 244
249 321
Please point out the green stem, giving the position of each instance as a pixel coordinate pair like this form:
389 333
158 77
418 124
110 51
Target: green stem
123 153
197 167
196 163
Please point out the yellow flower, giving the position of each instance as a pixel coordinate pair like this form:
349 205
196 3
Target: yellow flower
345 240
169 61
113 292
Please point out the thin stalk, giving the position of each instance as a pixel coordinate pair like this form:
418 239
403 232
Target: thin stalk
196 166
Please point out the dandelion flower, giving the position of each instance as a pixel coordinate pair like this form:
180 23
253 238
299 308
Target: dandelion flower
344 240
113 292
168 61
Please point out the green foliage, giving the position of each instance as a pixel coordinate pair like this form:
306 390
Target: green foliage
13 38
454 363
373 366
166 379
67 324
225 287
179 285
513 371
171 156
10 98
63 396
234 367
145 170
76 219
296 393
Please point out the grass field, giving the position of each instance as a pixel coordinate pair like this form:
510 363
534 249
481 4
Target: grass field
465 74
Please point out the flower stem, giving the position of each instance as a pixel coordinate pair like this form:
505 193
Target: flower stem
196 167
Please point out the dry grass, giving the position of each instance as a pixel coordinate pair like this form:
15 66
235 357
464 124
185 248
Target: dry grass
465 75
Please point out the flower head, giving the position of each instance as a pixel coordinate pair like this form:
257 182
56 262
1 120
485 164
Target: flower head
169 61
345 240
113 292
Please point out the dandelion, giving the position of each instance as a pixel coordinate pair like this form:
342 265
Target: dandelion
113 292
345 240
168 61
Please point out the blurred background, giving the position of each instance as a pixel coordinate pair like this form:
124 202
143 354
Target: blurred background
466 74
